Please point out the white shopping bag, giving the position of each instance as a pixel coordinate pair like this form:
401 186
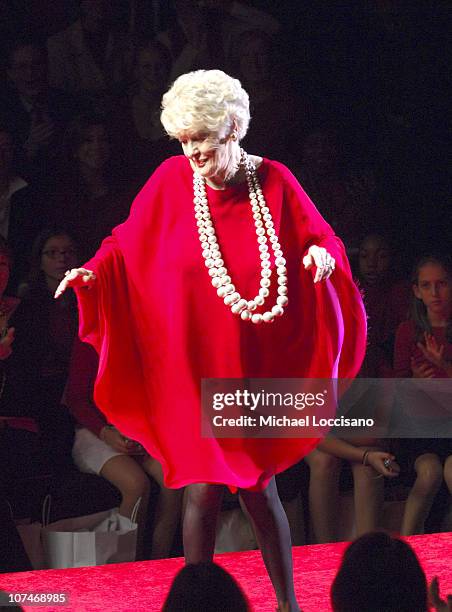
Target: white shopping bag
94 539
234 532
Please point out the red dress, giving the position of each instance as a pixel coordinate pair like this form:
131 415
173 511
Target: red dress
159 327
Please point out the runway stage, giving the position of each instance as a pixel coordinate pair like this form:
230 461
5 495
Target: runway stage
143 585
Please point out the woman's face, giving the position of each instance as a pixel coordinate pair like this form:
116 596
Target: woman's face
94 150
4 273
152 70
58 255
374 259
434 288
210 156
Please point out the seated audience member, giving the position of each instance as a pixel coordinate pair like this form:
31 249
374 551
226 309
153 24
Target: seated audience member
203 34
33 111
207 587
90 200
139 134
345 197
257 62
423 350
44 334
379 573
22 454
146 19
21 214
90 58
367 462
386 299
99 448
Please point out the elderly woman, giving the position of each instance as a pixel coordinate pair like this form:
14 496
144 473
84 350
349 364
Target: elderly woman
160 326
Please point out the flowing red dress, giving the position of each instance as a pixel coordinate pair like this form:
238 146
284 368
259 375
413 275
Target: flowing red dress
159 326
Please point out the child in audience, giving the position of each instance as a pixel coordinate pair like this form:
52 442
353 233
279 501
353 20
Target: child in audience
100 448
423 350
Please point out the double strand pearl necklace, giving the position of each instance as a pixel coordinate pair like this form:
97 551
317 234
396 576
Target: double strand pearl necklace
265 232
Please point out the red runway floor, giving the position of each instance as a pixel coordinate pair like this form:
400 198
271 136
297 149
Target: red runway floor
143 585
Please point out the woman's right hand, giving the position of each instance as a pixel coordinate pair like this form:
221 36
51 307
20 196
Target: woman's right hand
77 277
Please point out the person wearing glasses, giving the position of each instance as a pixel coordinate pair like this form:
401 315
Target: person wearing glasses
44 334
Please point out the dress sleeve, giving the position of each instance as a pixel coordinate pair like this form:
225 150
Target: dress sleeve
338 303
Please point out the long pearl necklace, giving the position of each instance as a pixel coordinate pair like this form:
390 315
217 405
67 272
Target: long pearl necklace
265 232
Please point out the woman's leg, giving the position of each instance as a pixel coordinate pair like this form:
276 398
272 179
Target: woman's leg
273 535
167 513
127 476
325 470
448 473
368 498
429 474
203 502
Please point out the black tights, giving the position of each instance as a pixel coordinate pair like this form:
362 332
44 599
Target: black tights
270 526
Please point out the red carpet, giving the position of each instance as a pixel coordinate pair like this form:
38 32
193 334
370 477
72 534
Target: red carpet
143 586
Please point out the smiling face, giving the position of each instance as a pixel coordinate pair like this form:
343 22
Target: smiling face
434 288
214 158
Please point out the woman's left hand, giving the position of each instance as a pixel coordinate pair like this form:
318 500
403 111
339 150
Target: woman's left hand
319 257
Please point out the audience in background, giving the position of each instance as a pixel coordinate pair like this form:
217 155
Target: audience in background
423 350
99 448
386 298
257 60
91 197
45 329
367 464
371 175
90 58
207 587
21 214
34 112
379 573
344 196
139 135
203 34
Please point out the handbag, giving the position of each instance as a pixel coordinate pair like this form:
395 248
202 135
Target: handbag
93 539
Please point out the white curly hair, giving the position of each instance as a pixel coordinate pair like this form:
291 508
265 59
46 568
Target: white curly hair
205 100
